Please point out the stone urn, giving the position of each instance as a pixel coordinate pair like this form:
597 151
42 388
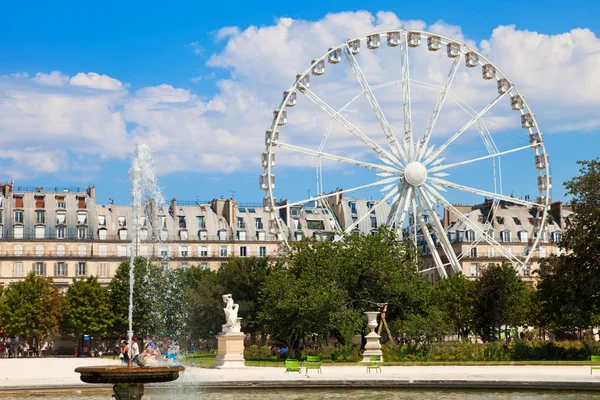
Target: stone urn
372 347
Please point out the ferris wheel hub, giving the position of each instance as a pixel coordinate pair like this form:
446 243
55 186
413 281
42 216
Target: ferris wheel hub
415 173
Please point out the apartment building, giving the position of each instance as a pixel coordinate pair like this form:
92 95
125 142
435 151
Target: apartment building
509 224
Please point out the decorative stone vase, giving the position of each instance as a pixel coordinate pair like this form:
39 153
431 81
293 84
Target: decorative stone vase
372 347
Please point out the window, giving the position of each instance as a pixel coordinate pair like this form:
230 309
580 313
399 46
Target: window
60 250
184 265
39 268
260 235
243 251
470 235
251 210
204 265
182 223
122 221
40 232
352 205
473 252
183 234
523 236
162 221
240 223
527 270
222 234
144 251
223 251
122 251
81 233
184 251
18 270
81 218
61 218
81 250
296 212
80 269
39 201
122 234
18 217
310 211
164 251
1 231
203 235
60 269
102 220
374 222
473 269
505 236
517 221
143 234
18 201
262 251
102 269
555 236
201 222
18 232
39 250
0 216
102 250
315 224
490 252
258 223
60 202
164 266
81 202
354 219
61 232
241 235
40 217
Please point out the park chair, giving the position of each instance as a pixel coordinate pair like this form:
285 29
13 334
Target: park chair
292 366
313 362
374 363
594 363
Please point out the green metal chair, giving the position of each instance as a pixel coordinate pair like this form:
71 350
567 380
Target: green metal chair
594 363
292 366
313 362
374 363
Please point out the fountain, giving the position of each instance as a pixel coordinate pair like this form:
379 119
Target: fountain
128 381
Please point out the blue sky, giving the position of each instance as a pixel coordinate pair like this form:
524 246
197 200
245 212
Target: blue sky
164 74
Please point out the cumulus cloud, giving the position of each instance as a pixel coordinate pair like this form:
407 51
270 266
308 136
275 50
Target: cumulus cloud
95 81
558 75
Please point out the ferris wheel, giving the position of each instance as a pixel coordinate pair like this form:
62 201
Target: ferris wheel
449 128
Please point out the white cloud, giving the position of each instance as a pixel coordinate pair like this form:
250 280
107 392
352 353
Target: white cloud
558 74
95 81
54 78
19 75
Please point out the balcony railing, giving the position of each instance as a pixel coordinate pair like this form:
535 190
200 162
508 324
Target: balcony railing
155 254
73 235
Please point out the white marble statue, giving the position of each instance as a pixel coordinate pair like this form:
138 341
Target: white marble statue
231 312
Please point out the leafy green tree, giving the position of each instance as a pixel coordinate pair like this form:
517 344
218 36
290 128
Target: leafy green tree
568 284
203 303
148 298
502 299
32 307
86 308
456 301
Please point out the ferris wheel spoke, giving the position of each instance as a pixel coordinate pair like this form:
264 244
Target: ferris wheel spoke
438 107
439 229
333 157
393 214
337 193
437 260
381 152
485 193
385 126
464 128
405 206
405 71
476 228
442 167
385 198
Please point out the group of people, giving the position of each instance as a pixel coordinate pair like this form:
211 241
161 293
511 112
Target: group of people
150 354
13 348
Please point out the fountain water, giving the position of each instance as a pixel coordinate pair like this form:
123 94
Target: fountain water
129 381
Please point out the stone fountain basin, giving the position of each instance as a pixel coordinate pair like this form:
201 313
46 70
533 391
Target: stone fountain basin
122 374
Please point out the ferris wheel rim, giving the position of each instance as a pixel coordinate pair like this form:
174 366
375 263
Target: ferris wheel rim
543 201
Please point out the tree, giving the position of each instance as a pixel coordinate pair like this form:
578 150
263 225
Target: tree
148 298
568 284
86 308
456 301
502 299
32 308
203 303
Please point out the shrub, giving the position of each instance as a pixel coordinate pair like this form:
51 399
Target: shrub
257 353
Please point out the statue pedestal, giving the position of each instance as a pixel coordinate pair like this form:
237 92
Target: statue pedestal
230 351
372 347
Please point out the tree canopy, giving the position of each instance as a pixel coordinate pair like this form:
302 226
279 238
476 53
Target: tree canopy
86 308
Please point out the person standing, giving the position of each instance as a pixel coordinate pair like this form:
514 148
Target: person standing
135 351
125 352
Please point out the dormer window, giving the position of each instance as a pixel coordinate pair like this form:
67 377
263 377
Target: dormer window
182 223
470 235
61 218
102 220
81 202
122 221
352 205
19 201
259 224
201 222
523 236
39 202
18 217
162 221
240 223
555 236
505 236
81 218
60 202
